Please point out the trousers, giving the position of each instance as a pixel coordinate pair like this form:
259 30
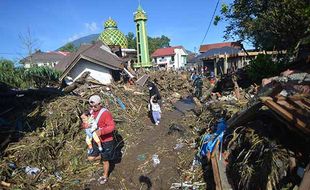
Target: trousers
156 116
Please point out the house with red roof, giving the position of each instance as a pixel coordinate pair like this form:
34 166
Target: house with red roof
170 57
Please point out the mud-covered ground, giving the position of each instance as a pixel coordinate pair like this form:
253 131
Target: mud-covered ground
136 169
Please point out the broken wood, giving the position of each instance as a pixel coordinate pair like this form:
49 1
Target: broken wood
142 80
268 101
215 169
305 183
5 184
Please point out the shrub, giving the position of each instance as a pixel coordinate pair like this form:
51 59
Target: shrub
20 77
264 66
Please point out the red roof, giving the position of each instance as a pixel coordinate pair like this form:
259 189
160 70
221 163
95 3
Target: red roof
165 51
204 48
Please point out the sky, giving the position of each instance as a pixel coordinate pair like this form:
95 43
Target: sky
53 23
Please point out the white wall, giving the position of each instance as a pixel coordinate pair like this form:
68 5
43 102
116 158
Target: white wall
100 73
51 64
164 60
179 58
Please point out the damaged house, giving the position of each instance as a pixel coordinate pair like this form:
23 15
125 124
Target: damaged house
223 58
97 59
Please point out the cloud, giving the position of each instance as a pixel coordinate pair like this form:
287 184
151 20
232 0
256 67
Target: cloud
92 27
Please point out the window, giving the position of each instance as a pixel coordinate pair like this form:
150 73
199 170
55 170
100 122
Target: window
172 58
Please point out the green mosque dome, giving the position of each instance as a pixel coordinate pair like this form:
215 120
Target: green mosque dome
112 36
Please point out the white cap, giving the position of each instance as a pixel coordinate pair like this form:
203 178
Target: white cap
94 99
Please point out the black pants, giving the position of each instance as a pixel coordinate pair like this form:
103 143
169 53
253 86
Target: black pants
107 152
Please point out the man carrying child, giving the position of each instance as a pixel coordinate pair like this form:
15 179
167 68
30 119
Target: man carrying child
106 126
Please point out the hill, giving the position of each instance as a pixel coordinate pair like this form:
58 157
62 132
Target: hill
85 40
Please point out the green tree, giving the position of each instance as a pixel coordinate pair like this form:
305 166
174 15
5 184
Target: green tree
20 77
158 42
131 40
264 66
10 75
68 47
42 76
268 24
154 43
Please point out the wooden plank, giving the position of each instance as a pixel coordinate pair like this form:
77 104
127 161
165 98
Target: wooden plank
223 175
219 170
305 183
215 169
285 114
142 80
216 174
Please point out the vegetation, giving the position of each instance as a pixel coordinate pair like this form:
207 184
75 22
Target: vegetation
154 43
42 76
68 47
158 42
131 40
24 78
269 25
265 66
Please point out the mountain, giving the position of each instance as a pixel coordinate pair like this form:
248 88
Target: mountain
85 40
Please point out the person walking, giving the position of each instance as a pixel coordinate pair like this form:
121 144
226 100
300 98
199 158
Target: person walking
106 127
198 83
153 90
154 107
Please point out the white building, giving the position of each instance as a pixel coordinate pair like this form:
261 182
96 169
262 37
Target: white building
103 65
170 57
40 58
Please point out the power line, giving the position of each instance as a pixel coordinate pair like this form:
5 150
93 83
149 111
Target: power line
204 37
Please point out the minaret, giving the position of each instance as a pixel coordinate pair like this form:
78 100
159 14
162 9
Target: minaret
143 56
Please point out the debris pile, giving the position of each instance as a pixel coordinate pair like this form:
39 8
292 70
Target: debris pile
266 140
54 154
258 147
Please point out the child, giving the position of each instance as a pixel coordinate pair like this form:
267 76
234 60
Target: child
91 127
155 108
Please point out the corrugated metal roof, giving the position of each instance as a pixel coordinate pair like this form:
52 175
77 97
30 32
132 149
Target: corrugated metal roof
207 47
217 51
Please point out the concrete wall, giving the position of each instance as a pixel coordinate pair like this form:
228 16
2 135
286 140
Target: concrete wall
166 60
52 64
180 60
100 73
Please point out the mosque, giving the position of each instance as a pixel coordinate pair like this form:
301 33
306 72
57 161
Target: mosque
112 36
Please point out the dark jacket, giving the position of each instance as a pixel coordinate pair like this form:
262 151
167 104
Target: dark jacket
154 90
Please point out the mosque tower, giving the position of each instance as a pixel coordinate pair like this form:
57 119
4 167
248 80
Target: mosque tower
143 57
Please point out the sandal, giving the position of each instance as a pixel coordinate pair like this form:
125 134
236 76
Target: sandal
102 180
